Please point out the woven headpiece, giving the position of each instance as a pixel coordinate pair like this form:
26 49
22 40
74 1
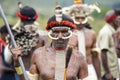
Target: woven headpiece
82 10
60 19
27 13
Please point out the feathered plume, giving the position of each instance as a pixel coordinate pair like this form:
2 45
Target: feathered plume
19 4
58 12
81 9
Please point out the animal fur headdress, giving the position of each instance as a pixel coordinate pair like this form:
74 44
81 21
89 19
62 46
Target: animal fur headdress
25 38
81 10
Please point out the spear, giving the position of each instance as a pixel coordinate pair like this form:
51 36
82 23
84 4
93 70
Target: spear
13 41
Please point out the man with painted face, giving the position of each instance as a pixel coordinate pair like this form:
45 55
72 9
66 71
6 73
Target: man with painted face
56 61
27 35
84 40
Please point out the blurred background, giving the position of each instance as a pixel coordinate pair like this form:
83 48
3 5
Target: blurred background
45 9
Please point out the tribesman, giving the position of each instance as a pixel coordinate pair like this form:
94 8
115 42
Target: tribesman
56 61
6 70
84 38
27 36
106 44
116 36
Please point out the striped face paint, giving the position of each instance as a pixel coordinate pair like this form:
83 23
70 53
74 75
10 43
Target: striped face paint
60 32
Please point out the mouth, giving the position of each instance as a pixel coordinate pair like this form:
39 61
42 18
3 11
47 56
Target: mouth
60 41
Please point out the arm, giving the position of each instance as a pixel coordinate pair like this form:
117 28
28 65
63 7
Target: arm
17 52
104 41
83 71
116 38
95 57
96 64
108 74
33 72
31 75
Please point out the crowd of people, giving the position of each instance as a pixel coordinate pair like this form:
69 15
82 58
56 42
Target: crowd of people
74 53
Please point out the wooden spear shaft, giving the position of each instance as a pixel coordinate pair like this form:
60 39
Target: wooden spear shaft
13 41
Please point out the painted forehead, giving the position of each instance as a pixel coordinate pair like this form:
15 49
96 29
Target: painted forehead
60 28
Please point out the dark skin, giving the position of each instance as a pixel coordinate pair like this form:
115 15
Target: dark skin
116 37
2 67
108 74
46 56
90 43
104 56
26 58
42 41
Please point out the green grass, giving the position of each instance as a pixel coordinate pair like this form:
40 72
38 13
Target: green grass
97 24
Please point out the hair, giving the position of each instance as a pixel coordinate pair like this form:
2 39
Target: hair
87 25
28 14
3 29
117 11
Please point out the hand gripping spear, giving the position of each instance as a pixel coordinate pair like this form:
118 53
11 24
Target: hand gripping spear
13 41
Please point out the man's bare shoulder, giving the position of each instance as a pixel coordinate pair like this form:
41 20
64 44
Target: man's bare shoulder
74 33
38 51
91 31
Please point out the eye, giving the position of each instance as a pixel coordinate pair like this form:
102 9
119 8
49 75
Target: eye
64 31
55 32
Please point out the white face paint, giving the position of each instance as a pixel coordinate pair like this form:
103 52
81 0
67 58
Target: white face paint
79 20
65 32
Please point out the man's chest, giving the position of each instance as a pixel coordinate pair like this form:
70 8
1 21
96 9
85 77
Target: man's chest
47 68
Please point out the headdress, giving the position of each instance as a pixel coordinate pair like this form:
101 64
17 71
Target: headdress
110 15
27 13
60 20
81 10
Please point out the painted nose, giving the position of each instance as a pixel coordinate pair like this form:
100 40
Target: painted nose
80 20
60 35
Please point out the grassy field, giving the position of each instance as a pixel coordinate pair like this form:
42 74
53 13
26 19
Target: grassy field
97 24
